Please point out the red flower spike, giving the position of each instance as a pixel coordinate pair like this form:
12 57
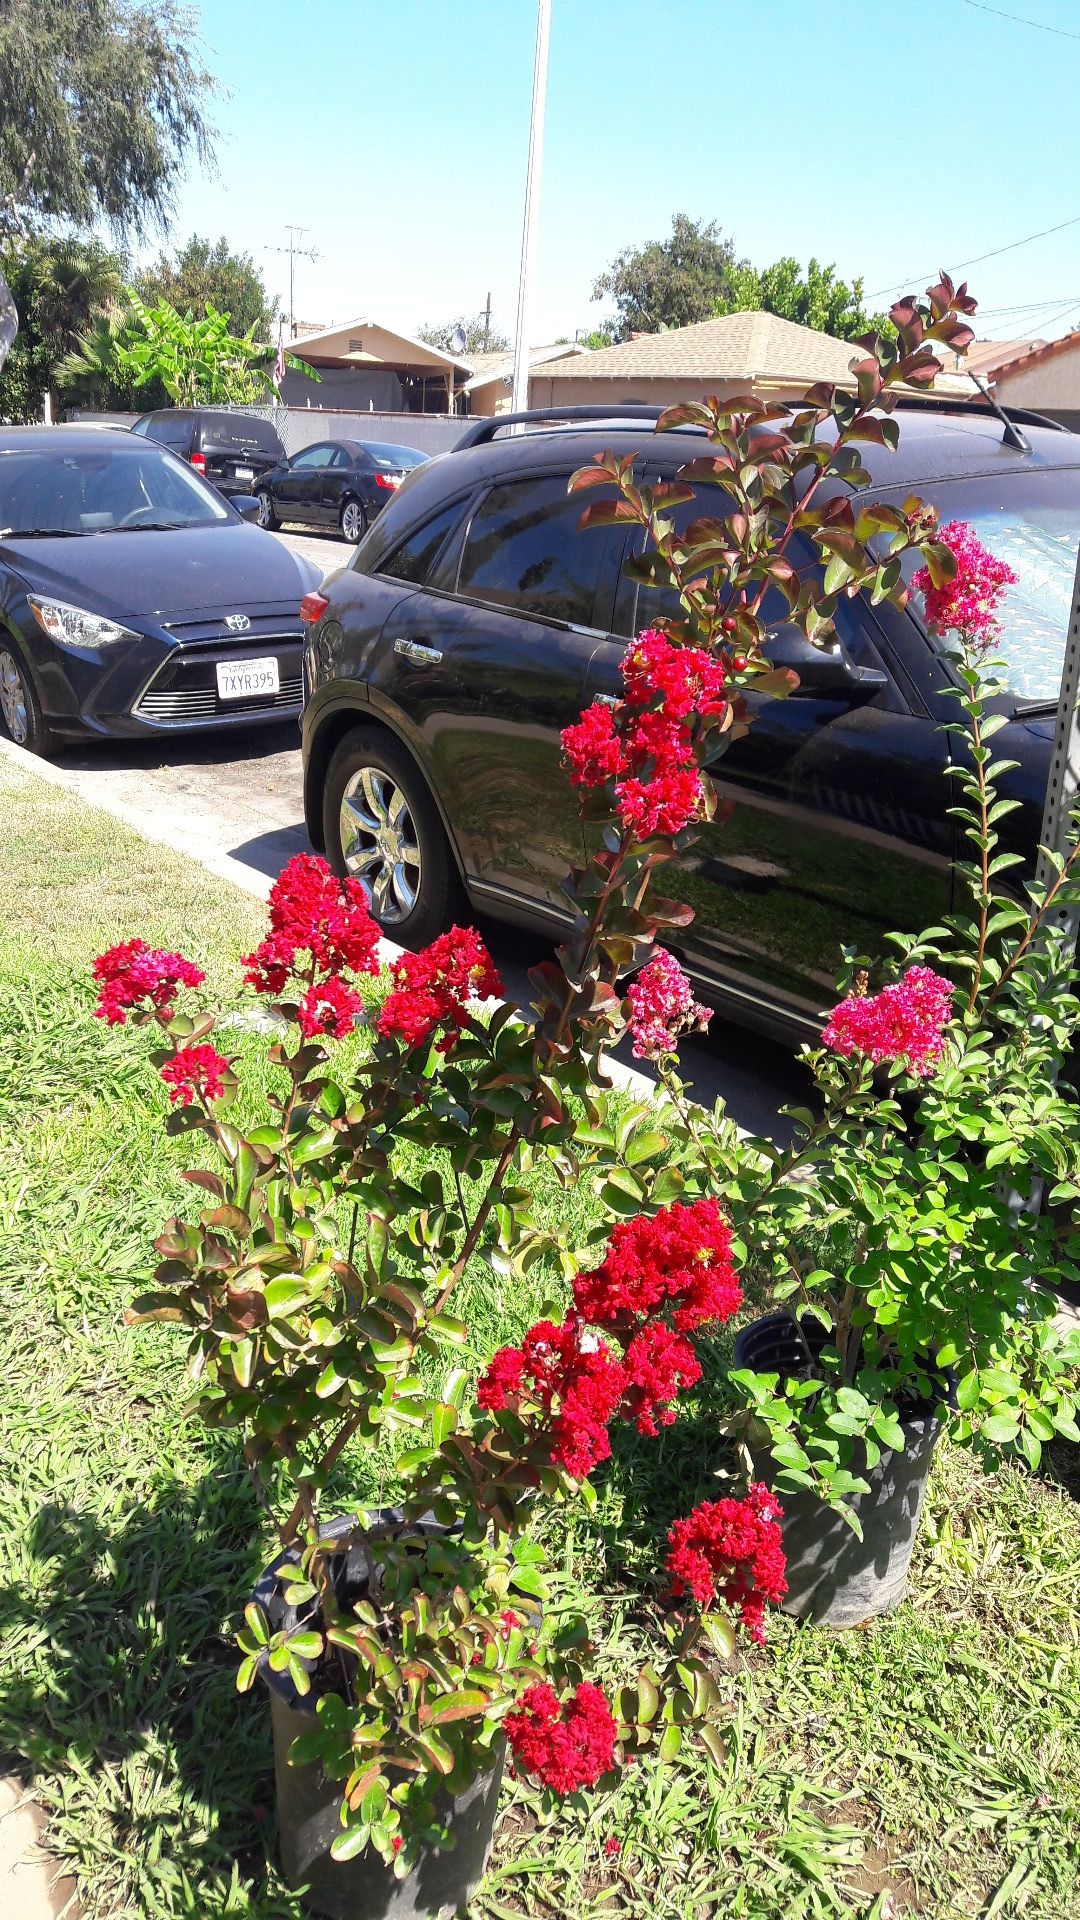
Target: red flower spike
313 913
731 1550
575 1381
329 1007
433 988
134 977
567 1745
677 1260
195 1072
904 1022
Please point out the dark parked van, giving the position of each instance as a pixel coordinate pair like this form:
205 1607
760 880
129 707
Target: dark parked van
231 450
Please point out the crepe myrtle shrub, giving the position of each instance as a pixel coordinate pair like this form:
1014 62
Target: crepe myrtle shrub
316 1285
905 1224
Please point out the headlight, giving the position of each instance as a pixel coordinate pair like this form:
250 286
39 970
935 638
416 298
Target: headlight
73 626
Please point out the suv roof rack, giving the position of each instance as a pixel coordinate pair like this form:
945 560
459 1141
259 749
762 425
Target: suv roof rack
484 430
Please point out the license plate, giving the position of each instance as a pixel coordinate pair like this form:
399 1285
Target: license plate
245 473
245 679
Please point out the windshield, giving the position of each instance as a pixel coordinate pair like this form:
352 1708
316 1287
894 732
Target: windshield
101 490
1032 522
397 457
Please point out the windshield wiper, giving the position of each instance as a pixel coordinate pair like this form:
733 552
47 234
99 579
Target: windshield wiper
149 526
43 533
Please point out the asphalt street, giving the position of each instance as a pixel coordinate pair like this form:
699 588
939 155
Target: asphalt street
240 794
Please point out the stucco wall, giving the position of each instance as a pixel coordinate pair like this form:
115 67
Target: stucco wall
1048 385
546 390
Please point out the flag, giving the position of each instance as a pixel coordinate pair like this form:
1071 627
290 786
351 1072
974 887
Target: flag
279 362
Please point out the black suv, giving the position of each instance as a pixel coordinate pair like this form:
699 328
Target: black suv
231 450
477 619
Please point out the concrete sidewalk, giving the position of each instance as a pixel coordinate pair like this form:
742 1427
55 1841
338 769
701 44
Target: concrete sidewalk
32 1883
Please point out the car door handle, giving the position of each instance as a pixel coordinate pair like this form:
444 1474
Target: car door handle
421 655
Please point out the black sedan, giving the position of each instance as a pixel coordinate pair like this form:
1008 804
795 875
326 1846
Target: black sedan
133 598
478 619
338 483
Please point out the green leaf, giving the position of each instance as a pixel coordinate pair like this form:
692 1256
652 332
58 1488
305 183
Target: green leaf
353 1841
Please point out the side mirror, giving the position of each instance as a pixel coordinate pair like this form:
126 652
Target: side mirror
246 506
825 673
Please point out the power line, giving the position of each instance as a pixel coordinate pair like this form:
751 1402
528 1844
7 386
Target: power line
1021 20
908 279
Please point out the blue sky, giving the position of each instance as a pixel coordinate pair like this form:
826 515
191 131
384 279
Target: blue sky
395 132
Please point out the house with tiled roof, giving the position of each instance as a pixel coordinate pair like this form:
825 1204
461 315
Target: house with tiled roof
1041 374
739 353
490 385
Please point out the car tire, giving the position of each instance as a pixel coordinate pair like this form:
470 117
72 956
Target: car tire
376 803
353 521
21 718
267 517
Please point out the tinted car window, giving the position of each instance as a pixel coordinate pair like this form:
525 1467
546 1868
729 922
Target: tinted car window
341 457
313 457
1030 520
416 555
387 456
641 606
236 430
171 430
525 550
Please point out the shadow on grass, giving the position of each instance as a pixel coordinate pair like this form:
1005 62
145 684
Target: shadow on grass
125 1687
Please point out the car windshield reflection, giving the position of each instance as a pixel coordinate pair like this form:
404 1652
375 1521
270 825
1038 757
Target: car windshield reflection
50 495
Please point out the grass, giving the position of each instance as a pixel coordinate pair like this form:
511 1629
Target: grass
927 1766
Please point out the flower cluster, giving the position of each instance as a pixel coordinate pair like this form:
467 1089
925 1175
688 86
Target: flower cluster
904 1022
646 745
195 1073
320 927
662 1007
731 1550
564 1746
135 976
678 1260
967 604
575 1380
433 988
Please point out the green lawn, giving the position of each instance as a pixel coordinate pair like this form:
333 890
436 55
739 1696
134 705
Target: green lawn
926 1766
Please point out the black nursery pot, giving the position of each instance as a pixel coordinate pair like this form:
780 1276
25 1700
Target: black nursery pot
834 1578
308 1804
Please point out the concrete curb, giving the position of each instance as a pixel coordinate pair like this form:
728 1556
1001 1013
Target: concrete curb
32 1883
249 879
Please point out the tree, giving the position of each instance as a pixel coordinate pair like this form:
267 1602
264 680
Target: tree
814 299
201 276
103 101
669 283
198 363
479 337
59 288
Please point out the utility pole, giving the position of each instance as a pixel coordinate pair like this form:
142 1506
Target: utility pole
294 251
532 204
487 325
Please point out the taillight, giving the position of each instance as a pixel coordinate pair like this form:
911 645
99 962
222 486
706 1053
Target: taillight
198 461
312 608
391 481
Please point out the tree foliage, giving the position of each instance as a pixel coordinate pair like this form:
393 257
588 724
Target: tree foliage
60 288
205 274
672 282
197 363
816 298
479 338
103 102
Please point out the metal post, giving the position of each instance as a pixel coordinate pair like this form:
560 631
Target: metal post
1064 780
532 204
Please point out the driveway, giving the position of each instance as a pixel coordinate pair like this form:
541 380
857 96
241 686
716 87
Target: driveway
241 794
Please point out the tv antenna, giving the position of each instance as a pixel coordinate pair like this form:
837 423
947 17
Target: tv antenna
295 251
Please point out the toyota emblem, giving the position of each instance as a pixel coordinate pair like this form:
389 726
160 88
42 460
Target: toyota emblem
237 622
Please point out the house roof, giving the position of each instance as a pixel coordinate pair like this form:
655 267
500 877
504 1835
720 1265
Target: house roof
1027 353
498 366
368 342
737 346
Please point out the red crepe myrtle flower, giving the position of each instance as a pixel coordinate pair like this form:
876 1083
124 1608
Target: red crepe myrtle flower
682 680
592 748
397 1843
662 1007
612 1846
433 988
193 1072
565 1746
966 605
657 1363
664 805
677 1259
313 913
904 1022
134 975
731 1550
574 1378
329 1007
